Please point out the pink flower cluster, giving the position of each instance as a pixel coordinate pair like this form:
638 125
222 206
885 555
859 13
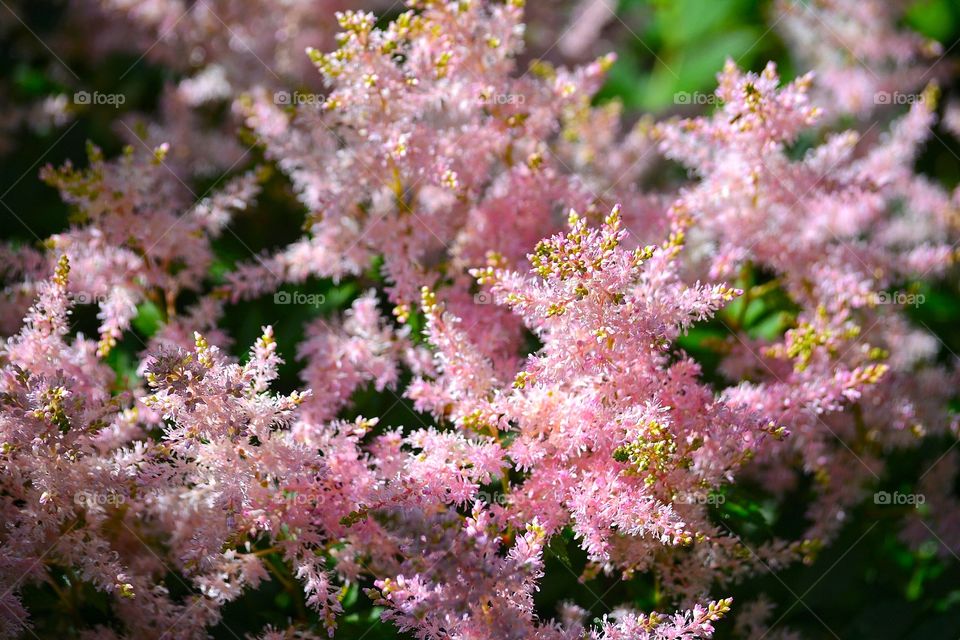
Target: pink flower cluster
507 209
864 58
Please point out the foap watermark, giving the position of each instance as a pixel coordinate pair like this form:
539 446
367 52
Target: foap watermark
714 499
494 497
695 97
502 99
299 298
900 298
898 98
896 498
484 297
302 499
287 98
94 499
87 297
96 98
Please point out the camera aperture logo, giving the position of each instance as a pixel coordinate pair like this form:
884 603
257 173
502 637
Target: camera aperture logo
484 297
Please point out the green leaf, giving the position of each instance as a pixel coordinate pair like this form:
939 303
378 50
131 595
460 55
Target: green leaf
685 21
32 81
350 598
148 319
932 18
558 547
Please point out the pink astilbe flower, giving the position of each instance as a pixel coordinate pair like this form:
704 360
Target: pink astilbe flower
220 49
85 489
613 461
56 482
230 42
363 349
489 596
863 58
836 229
689 625
394 501
420 141
136 235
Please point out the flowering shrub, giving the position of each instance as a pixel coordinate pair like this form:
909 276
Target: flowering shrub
532 272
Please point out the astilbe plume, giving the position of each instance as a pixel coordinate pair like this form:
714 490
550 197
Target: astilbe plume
219 49
87 490
432 151
575 442
835 230
422 142
234 45
228 474
122 257
58 427
570 30
216 51
863 57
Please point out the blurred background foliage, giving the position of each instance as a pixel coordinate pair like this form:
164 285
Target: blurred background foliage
867 585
